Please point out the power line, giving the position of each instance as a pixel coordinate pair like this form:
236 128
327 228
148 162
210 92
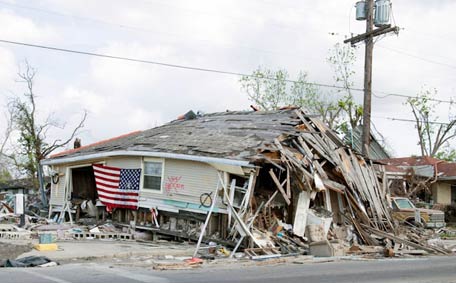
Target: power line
141 29
148 30
198 69
410 120
238 19
386 94
201 69
418 57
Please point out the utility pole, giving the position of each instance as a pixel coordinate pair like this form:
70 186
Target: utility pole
368 38
368 77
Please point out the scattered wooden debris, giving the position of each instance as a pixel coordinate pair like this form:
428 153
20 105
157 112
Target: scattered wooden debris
262 253
309 170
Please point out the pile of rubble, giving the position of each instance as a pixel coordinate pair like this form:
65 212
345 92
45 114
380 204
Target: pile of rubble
325 200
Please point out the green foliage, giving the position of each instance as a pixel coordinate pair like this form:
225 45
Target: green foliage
271 90
342 59
5 175
447 154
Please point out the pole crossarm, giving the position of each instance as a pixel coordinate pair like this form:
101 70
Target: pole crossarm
373 33
368 38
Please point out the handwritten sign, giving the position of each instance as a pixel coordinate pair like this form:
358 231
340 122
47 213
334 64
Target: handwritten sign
173 184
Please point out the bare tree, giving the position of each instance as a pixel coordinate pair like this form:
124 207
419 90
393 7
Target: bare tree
33 144
5 161
433 136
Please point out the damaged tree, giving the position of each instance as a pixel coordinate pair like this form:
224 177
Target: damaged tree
434 137
33 144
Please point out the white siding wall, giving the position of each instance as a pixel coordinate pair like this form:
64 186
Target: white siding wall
185 181
125 162
58 190
182 180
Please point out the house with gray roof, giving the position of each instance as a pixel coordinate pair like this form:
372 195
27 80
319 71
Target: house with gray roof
280 166
181 162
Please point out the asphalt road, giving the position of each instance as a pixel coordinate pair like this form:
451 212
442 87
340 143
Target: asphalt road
416 270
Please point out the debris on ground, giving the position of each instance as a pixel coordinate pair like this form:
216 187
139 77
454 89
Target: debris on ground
30 261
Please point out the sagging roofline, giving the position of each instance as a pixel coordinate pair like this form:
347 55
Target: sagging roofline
56 161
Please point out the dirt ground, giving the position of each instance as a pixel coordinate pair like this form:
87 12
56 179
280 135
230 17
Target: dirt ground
12 251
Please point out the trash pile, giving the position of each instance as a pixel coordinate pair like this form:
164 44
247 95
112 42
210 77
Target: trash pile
30 261
314 195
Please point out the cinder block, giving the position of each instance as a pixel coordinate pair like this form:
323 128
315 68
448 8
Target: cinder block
46 247
326 249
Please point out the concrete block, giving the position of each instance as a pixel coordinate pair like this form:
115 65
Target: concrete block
46 247
326 248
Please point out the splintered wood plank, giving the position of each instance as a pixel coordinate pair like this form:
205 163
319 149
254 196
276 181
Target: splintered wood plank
300 220
288 183
337 187
320 170
304 147
327 131
282 191
274 163
312 142
406 242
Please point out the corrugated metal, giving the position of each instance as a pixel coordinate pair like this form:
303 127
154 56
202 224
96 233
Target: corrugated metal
185 181
360 10
424 170
382 13
354 139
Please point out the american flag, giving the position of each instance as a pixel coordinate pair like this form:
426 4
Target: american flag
117 187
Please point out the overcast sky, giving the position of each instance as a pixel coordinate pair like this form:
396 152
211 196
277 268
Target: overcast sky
229 35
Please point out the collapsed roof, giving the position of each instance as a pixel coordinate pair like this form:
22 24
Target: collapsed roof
230 135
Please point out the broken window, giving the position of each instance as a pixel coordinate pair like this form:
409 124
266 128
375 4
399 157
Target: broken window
153 175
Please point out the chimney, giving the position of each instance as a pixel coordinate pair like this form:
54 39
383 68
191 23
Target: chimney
77 143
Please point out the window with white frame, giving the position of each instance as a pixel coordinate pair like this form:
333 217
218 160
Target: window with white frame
153 175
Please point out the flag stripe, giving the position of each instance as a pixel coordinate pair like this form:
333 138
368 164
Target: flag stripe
115 190
107 173
117 197
101 176
115 194
107 168
113 204
115 201
107 183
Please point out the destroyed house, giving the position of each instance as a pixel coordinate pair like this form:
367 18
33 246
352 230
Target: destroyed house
428 178
273 177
